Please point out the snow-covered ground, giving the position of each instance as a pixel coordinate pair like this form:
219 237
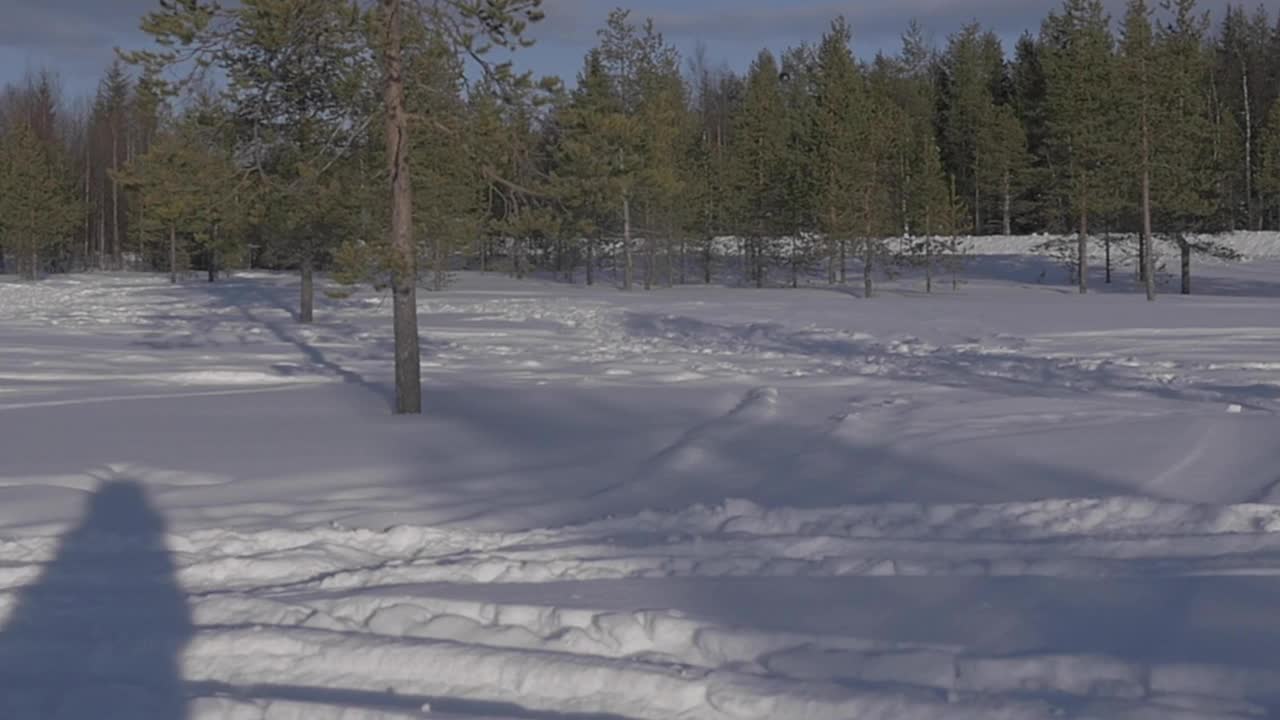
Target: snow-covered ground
696 503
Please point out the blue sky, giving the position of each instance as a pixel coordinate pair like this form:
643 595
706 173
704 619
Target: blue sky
75 37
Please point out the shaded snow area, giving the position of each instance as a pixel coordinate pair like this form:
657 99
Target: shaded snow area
699 503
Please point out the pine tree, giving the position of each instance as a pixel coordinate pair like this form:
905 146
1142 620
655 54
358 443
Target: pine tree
188 185
661 117
931 210
585 155
759 155
972 73
1244 88
708 169
1002 147
1269 165
1134 84
1183 187
840 121
1038 207
802 189
1079 69
38 209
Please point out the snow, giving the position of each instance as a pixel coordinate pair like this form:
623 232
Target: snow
1007 501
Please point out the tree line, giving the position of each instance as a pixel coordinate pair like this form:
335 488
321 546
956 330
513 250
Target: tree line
369 138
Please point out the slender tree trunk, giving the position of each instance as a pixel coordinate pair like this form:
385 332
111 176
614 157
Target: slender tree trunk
88 199
1186 265
832 253
173 254
1106 249
142 221
795 262
684 259
1248 145
955 272
1008 204
928 264
844 261
115 199
977 206
306 304
708 255
650 253
591 261
758 265
628 261
404 275
1148 246
1083 248
213 254
102 237
868 248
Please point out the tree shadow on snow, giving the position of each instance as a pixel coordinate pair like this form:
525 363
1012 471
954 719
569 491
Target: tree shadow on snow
99 634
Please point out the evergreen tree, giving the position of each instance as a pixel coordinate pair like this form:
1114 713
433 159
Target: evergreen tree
1038 208
586 157
708 162
111 109
840 121
1137 72
1184 188
972 79
188 185
38 209
1269 165
1079 70
1241 81
661 117
802 189
759 170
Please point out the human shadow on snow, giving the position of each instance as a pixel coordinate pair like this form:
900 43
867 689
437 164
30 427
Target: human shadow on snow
100 633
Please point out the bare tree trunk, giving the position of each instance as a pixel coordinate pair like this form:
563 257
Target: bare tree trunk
1186 265
1106 249
88 199
868 250
173 254
1248 145
795 262
758 261
115 198
102 238
1008 203
306 304
844 261
404 275
708 255
1083 248
142 222
928 264
628 264
977 206
213 254
684 259
1148 254
650 252
591 261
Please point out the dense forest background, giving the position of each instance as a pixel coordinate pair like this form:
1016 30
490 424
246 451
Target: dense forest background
256 139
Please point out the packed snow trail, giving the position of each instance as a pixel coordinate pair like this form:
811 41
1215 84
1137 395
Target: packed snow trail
693 503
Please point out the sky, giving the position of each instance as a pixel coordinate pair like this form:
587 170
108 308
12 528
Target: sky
74 38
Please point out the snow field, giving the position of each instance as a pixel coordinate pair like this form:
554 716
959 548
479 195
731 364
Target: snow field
1006 502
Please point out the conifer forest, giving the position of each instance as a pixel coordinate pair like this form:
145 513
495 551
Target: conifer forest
354 366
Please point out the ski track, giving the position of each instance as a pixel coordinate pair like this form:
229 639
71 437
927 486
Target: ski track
587 620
